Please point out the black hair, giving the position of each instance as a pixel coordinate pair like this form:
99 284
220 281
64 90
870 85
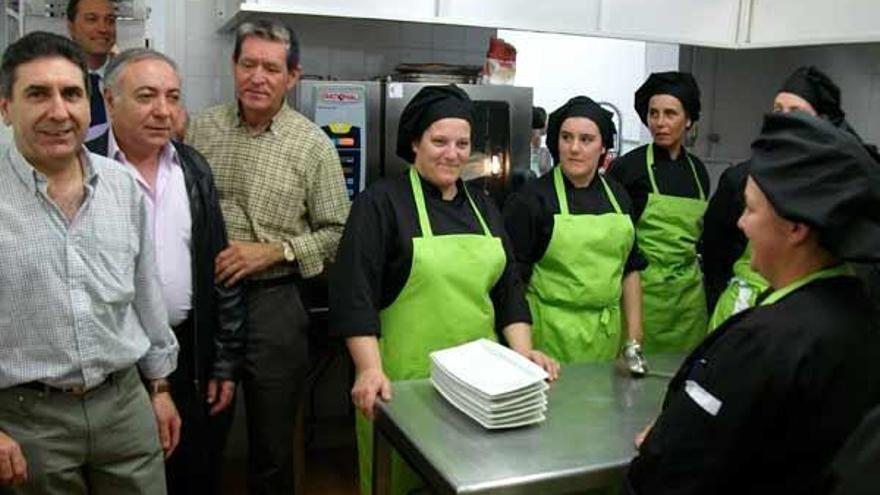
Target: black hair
38 44
539 118
73 5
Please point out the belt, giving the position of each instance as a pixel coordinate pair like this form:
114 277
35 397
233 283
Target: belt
267 283
75 391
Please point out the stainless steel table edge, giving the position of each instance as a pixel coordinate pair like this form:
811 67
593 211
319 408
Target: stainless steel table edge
387 436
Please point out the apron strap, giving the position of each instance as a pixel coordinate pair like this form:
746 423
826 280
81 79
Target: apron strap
650 165
419 197
559 186
777 295
611 196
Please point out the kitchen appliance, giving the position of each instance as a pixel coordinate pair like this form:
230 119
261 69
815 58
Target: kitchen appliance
361 118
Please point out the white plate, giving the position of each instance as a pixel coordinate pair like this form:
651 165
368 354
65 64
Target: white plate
474 410
489 368
490 407
497 425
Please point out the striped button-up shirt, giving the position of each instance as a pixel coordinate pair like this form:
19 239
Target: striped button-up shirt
284 184
79 299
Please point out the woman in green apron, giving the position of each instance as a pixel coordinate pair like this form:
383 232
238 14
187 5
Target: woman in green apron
731 284
574 242
668 187
423 265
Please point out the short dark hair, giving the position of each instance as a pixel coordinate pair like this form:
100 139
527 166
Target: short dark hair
73 5
271 30
39 44
539 118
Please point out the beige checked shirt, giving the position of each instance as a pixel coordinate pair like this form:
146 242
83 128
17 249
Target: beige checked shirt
283 184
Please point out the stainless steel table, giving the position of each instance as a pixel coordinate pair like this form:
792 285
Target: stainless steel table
594 413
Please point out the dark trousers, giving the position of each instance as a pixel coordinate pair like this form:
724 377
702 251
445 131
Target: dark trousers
275 365
195 466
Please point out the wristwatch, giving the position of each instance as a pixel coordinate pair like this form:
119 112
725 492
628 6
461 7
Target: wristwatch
159 386
289 256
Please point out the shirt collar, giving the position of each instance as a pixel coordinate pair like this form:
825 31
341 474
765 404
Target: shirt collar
167 155
36 180
432 191
281 116
100 70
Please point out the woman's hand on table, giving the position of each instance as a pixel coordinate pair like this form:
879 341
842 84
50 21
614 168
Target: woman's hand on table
368 385
550 365
640 436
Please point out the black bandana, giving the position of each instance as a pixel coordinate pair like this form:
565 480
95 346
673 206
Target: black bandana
429 105
580 106
818 89
815 173
681 85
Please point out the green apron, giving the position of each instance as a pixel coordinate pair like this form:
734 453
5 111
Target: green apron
445 302
673 301
835 271
574 293
741 292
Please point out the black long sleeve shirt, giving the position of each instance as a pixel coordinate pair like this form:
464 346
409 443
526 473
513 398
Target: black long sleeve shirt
674 177
376 253
528 217
765 402
723 242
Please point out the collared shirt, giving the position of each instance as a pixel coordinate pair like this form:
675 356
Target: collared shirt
376 253
529 217
170 225
674 177
283 184
79 299
98 129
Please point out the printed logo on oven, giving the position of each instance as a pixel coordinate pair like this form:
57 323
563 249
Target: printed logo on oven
340 96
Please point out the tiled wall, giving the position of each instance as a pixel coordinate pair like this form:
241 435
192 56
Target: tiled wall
330 47
739 86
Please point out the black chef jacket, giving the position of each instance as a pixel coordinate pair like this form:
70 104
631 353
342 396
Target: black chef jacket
792 380
674 177
857 466
723 242
375 254
528 217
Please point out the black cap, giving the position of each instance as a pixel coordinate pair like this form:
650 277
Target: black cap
681 85
815 173
818 89
429 105
580 106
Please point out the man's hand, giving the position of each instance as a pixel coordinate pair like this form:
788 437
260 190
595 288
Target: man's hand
368 385
220 393
242 259
13 468
167 420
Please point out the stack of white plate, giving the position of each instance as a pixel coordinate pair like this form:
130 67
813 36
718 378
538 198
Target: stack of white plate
492 384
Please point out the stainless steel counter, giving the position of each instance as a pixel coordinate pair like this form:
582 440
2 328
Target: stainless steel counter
594 413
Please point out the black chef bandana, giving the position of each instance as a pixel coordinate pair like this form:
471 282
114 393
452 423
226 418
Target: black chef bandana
818 89
579 106
681 85
429 105
814 173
